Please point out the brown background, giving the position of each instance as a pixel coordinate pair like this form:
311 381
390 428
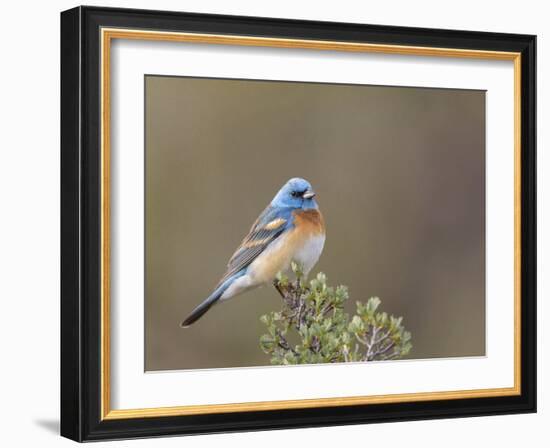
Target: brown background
400 177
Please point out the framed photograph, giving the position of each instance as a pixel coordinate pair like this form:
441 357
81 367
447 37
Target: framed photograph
272 223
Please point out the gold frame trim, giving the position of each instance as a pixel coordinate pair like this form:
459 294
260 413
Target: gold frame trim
107 35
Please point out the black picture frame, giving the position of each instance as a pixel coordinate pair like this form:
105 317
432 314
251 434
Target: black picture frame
81 226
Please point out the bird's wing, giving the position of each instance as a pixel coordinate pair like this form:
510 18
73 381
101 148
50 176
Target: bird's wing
266 229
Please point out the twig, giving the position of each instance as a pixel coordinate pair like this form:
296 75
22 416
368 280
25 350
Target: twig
278 288
283 343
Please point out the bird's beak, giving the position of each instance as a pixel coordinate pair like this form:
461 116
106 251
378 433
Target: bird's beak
308 194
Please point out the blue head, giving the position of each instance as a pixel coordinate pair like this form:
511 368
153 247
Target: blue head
296 193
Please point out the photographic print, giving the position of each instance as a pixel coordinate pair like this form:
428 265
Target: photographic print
303 223
270 223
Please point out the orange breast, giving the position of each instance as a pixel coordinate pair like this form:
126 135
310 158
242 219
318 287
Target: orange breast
310 222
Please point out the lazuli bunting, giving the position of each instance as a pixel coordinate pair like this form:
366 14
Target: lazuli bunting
291 228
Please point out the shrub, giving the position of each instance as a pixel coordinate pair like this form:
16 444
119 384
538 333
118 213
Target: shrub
312 326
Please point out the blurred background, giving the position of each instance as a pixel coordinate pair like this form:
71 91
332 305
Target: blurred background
400 178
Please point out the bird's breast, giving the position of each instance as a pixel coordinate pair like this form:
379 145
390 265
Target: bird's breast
310 229
309 222
309 252
303 243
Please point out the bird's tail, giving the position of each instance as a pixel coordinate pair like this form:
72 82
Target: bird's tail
205 305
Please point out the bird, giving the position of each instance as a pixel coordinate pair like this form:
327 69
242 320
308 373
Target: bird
290 229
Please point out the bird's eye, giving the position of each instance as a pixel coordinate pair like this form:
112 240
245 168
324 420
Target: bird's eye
294 193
